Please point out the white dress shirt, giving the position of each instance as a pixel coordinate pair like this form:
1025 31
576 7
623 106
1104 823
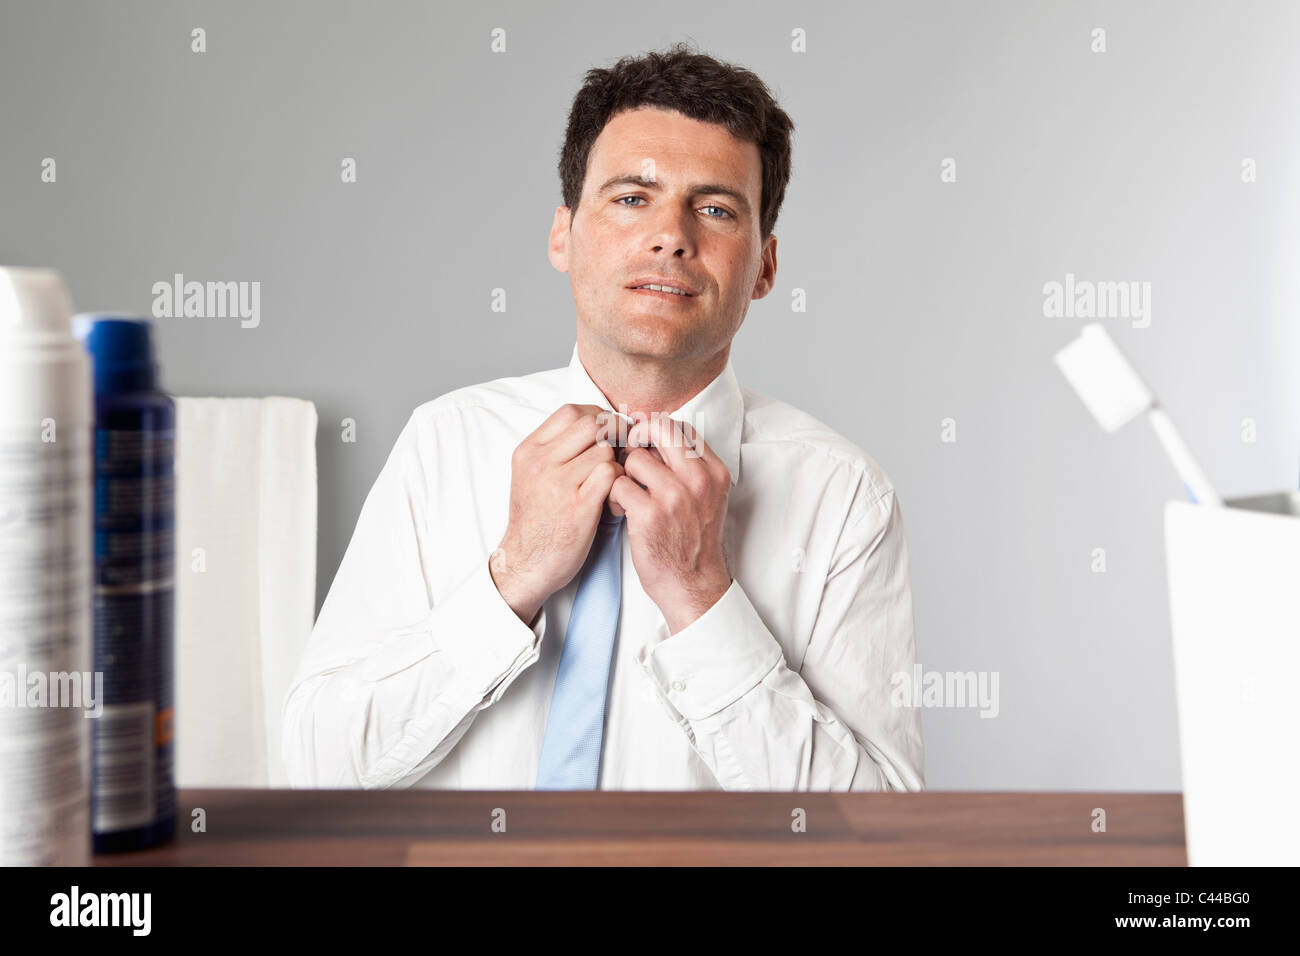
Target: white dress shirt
419 674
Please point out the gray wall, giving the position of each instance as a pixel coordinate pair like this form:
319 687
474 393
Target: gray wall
924 298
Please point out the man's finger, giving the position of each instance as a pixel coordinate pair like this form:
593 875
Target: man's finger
601 478
583 464
560 419
574 440
627 497
647 469
678 449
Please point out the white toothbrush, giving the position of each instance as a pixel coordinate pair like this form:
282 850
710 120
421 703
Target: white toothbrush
1112 390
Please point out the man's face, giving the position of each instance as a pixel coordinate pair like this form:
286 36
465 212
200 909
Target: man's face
667 220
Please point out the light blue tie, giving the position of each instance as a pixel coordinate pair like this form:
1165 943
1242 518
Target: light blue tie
576 723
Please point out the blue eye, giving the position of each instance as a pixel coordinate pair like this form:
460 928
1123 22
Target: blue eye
621 199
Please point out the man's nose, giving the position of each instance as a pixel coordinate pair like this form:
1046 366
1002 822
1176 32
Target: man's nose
672 232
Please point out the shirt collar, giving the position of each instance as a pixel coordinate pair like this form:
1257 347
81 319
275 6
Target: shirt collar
717 411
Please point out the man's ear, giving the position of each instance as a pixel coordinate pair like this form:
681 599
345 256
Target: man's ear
558 246
767 269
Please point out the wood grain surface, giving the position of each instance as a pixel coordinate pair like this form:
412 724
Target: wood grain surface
687 828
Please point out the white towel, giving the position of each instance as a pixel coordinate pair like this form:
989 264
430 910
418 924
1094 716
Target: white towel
245 581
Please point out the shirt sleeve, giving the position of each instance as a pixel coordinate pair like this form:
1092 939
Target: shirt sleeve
391 680
830 725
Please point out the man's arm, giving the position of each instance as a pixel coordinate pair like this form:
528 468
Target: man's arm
391 680
759 725
389 684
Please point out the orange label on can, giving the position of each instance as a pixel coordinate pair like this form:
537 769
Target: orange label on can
163 726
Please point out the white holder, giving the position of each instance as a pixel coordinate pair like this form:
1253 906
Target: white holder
1234 598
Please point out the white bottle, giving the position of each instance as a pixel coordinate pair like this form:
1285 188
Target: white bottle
46 574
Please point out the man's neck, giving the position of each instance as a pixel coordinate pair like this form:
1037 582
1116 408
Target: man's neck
639 383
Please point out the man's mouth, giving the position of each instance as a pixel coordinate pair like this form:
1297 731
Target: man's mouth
662 290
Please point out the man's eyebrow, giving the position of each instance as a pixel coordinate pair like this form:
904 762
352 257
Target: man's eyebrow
708 189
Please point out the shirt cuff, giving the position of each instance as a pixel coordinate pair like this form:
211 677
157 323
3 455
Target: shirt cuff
483 638
716 659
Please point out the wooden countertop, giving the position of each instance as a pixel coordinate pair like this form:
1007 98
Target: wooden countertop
678 828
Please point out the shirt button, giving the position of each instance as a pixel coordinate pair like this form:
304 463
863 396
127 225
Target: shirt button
679 685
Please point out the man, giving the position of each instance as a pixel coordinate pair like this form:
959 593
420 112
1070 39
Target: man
707 591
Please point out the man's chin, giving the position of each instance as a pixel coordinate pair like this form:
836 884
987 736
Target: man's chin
651 336
653 344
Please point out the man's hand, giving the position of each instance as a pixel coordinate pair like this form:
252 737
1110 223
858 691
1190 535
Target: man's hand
675 497
560 476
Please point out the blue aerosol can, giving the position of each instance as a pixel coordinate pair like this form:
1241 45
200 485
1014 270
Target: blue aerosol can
133 791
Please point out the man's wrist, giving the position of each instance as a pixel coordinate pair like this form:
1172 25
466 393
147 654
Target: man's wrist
515 591
692 606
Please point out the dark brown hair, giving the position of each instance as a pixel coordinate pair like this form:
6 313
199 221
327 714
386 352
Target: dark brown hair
696 85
